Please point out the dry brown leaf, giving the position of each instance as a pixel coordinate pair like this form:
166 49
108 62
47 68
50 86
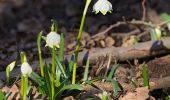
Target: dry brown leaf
140 94
128 41
109 41
14 92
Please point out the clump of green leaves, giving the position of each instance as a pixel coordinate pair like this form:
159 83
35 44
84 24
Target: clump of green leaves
55 78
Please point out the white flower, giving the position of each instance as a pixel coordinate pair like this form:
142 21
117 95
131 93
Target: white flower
53 40
11 65
26 69
103 6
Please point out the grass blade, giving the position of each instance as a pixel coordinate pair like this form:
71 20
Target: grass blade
112 72
145 75
61 49
86 70
61 67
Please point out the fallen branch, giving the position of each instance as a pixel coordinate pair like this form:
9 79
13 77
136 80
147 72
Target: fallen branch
140 50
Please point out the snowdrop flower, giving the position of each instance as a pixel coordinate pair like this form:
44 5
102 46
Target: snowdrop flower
26 69
53 40
102 6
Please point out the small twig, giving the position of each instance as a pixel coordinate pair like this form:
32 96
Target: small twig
122 23
144 9
108 64
133 32
135 22
163 23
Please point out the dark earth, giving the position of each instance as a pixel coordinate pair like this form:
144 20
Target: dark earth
22 20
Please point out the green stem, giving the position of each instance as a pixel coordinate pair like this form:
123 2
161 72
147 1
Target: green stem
53 72
24 86
39 53
78 41
23 57
7 75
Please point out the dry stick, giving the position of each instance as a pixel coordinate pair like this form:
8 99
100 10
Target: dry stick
144 10
122 23
140 50
133 32
135 22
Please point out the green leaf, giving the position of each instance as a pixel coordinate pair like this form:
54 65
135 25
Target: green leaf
48 81
70 66
58 76
112 72
2 96
61 67
116 87
61 49
86 70
43 90
166 17
145 75
36 78
68 87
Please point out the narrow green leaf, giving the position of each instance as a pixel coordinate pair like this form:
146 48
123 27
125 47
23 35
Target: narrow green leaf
71 62
116 87
112 72
2 96
58 76
36 78
145 75
61 67
61 49
86 70
166 17
43 90
47 80
68 87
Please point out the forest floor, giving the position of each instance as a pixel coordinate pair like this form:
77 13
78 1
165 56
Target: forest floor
120 36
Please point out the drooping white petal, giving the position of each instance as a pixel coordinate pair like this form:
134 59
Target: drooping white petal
53 39
26 69
102 6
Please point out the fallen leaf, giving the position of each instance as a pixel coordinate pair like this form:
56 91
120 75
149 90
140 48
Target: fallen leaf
140 94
